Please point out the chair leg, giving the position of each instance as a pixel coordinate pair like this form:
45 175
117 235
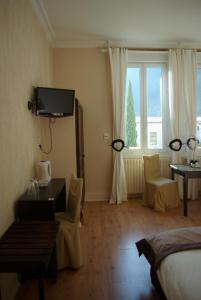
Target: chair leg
41 290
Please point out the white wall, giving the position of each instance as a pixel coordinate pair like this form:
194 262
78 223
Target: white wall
87 71
25 60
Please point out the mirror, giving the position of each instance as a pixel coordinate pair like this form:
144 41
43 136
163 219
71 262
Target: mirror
192 143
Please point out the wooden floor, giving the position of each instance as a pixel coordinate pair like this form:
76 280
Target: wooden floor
112 269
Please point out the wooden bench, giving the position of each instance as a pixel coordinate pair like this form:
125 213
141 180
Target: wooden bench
28 248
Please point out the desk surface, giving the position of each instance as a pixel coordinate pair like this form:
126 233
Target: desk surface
185 168
50 199
49 192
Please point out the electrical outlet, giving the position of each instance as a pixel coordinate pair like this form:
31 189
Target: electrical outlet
106 136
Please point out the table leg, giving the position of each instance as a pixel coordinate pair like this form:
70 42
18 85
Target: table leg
185 195
52 267
172 174
41 290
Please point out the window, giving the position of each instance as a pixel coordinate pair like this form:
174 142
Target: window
154 105
153 138
147 125
145 99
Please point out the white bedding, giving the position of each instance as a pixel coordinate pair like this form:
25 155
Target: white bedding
180 275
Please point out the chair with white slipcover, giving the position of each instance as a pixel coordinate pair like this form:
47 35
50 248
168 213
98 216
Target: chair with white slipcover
68 237
160 193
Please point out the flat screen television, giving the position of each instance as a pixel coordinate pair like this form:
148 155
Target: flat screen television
53 102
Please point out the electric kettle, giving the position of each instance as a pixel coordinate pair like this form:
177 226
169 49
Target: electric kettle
44 172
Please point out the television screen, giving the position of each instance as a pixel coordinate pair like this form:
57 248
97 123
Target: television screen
53 102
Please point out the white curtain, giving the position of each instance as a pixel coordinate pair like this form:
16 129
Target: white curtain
118 62
182 103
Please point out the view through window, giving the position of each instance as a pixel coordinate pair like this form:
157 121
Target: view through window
146 110
144 106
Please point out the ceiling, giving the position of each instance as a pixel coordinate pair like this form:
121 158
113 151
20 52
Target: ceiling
136 23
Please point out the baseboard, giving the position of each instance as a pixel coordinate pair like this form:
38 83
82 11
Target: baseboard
89 197
135 196
97 197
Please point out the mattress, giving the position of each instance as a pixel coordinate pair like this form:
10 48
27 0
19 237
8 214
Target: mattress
179 275
175 260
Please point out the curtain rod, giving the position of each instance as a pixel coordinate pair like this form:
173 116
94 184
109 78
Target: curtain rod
150 49
147 49
159 49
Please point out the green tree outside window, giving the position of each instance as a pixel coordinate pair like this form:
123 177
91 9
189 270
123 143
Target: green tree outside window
131 132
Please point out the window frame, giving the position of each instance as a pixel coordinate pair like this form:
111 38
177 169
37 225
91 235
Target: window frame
144 60
198 149
198 67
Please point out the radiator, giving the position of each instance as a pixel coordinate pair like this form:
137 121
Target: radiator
134 169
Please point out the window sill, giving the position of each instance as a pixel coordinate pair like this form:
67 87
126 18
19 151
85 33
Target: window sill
132 153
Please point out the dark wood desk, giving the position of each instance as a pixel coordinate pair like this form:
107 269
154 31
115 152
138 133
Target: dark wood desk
187 172
50 199
29 248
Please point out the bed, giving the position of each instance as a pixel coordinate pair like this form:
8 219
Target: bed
175 260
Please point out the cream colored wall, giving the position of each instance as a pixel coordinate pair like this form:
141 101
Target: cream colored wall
63 154
25 60
86 71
